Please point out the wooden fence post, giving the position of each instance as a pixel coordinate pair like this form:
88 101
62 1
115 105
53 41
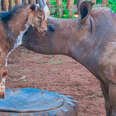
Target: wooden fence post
94 1
37 1
11 4
5 5
26 1
0 5
59 9
32 1
105 2
70 4
18 2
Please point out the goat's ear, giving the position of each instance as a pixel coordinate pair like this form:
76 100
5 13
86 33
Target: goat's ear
84 10
33 7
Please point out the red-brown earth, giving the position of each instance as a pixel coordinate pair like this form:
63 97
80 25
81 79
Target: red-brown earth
58 74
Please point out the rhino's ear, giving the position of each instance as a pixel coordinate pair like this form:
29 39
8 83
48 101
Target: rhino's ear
84 9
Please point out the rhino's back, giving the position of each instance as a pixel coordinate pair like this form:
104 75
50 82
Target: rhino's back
105 26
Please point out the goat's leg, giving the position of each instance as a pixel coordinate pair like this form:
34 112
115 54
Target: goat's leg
4 72
3 81
44 25
105 90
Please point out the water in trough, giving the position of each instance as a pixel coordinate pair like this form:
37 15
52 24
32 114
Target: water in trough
17 43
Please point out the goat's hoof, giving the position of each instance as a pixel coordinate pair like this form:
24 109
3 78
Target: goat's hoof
1 95
2 88
4 73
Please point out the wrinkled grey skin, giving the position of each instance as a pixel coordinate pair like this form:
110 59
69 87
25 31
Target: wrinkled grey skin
90 40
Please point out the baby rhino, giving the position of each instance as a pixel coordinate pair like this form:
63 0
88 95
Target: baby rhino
90 40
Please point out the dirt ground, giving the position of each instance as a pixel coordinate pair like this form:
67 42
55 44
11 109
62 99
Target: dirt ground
58 74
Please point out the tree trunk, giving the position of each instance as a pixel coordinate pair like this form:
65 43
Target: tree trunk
70 6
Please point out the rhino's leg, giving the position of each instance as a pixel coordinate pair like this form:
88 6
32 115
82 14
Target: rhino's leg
112 96
105 90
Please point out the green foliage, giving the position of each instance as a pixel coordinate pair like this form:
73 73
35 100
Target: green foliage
112 5
99 1
52 61
64 11
75 1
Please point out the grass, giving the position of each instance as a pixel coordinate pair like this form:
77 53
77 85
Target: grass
51 61
19 70
41 62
